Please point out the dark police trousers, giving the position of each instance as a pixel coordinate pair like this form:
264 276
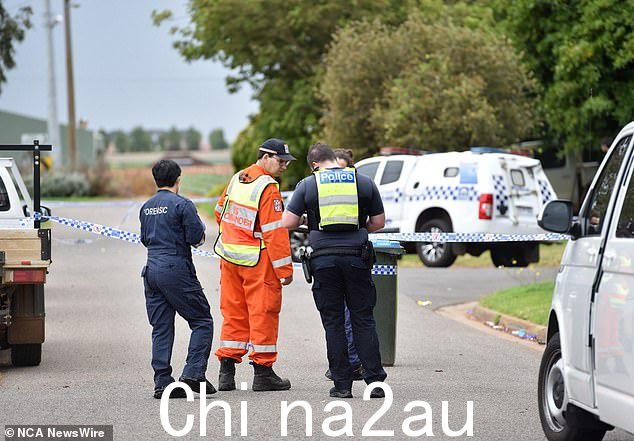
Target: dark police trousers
171 286
349 278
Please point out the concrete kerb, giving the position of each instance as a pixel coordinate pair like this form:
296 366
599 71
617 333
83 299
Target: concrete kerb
493 320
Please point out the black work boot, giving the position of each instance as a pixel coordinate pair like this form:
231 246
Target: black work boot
266 379
226 378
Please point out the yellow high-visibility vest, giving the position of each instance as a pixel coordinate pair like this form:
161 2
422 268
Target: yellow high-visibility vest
238 242
338 199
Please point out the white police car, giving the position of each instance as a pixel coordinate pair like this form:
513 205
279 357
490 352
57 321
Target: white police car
479 191
586 378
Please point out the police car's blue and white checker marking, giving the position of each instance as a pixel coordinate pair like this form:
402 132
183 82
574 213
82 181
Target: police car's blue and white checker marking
446 193
501 195
544 190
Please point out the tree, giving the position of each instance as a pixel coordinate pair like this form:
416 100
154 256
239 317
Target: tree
171 140
217 140
11 31
440 85
140 140
193 138
121 140
279 56
582 54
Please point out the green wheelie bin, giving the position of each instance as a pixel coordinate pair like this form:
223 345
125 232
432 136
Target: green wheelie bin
384 275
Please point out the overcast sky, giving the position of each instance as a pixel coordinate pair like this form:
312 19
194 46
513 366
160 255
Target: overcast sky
126 71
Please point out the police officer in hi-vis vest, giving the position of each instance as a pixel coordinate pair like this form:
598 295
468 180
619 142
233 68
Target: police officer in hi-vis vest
256 262
341 207
170 226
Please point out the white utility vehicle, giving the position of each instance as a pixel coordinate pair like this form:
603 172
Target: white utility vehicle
586 377
25 256
478 191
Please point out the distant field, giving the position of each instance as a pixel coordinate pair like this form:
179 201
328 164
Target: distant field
146 159
202 184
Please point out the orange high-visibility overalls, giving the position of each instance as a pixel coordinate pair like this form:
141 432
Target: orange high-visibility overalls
255 252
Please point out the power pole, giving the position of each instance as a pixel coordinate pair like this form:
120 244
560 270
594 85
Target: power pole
53 124
72 135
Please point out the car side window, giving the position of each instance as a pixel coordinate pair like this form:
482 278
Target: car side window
369 169
392 172
4 197
625 225
594 213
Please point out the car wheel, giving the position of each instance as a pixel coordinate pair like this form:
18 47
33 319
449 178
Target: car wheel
26 355
298 239
435 254
553 400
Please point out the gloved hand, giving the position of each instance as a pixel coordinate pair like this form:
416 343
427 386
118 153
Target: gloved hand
286 280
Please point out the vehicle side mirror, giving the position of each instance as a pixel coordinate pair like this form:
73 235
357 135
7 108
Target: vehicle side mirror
556 216
46 212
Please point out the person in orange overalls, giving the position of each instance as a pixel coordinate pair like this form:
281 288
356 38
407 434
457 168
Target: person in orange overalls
256 262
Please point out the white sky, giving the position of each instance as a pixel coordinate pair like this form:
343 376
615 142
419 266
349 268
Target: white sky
126 71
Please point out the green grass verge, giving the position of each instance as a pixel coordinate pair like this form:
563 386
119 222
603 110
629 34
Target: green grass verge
549 255
528 302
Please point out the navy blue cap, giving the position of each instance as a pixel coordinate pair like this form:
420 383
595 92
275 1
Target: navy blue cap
277 147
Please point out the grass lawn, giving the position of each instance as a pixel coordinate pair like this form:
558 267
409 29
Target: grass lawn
528 302
549 255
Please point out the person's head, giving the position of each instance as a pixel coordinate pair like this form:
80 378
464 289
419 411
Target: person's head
319 154
166 174
605 144
274 156
345 157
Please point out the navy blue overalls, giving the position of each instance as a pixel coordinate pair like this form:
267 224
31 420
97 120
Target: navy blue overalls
169 227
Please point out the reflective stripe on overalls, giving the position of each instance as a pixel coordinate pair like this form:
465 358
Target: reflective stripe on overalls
238 241
338 198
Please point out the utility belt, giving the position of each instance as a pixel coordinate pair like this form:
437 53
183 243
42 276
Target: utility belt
366 252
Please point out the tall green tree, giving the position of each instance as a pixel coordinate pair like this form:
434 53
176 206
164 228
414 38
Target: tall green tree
192 139
217 140
140 140
121 140
436 84
12 29
171 140
582 54
276 46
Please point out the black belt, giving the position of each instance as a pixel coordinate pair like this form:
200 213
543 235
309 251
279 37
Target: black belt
336 252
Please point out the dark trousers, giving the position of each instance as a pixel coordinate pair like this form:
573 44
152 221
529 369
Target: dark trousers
171 287
340 281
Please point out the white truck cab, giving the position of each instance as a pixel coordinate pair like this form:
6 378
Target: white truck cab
586 379
478 191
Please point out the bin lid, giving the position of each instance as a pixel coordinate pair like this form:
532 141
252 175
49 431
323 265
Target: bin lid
388 246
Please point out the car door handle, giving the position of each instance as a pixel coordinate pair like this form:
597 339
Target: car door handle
608 258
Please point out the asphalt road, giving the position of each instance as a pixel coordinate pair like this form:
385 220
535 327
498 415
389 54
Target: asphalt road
96 359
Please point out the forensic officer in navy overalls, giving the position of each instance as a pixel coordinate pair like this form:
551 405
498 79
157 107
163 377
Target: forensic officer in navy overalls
341 207
170 226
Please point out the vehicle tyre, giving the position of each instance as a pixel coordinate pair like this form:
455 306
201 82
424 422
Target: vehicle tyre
26 355
298 239
553 400
435 254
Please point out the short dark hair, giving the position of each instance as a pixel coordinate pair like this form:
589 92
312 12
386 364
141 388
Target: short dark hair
345 154
320 152
165 173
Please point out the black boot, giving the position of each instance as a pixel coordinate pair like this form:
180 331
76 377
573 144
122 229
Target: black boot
266 379
226 378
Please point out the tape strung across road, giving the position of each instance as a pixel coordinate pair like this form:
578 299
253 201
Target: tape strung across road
470 237
380 270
